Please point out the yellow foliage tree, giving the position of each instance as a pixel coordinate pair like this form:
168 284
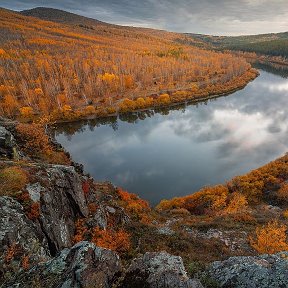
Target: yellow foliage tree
126 105
128 81
26 111
164 99
140 102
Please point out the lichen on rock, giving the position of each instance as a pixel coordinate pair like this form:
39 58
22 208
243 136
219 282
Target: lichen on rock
265 271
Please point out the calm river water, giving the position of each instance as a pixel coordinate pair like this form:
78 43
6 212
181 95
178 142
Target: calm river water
172 153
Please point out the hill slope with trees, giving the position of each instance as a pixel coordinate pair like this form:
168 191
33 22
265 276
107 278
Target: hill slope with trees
75 69
272 44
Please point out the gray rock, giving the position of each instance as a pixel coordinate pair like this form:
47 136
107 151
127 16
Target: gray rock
158 270
17 229
61 202
165 230
34 191
84 265
110 210
7 144
265 271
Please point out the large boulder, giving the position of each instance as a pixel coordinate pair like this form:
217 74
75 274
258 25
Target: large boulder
84 265
265 271
158 270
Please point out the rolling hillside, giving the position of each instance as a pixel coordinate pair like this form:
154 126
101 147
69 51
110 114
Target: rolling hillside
83 66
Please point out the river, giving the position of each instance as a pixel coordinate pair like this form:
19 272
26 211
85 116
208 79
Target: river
176 152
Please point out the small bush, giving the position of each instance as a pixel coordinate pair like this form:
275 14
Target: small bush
270 238
36 143
285 214
282 193
114 240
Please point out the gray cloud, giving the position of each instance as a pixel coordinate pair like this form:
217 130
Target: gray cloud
221 17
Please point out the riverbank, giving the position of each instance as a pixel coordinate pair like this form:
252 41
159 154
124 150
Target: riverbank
165 99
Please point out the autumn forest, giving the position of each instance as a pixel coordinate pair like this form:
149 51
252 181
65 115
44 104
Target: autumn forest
70 71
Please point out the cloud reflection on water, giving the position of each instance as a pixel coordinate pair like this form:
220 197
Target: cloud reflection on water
172 155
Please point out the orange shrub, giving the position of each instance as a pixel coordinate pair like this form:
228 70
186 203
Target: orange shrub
89 110
134 206
127 105
163 99
34 138
36 143
209 199
270 238
282 193
128 81
238 203
81 231
25 262
114 240
11 252
174 203
2 52
26 112
140 103
285 214
92 207
85 187
34 211
251 185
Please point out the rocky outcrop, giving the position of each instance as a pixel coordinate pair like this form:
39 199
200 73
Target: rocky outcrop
265 271
84 265
21 234
61 201
158 270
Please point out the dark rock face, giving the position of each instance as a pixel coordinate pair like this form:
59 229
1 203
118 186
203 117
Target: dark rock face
265 271
158 270
17 229
84 265
61 202
7 144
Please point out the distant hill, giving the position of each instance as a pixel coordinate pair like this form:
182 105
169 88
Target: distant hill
273 44
88 25
60 16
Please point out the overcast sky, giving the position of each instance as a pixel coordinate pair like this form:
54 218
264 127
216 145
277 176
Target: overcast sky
219 17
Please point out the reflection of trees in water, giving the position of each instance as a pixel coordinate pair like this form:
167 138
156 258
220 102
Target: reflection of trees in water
280 70
69 129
